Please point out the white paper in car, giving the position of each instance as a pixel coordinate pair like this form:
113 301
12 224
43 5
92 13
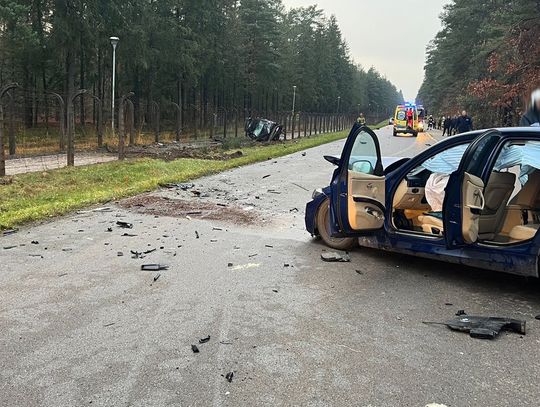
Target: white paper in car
435 186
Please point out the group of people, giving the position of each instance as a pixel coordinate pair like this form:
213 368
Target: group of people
455 125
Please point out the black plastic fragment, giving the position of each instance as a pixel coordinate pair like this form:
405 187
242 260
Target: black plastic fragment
195 349
205 340
154 267
229 376
460 313
125 225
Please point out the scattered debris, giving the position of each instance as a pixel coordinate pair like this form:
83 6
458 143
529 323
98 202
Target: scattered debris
230 264
253 255
197 235
218 229
359 272
62 275
9 232
194 349
68 249
120 254
129 235
35 255
537 317
286 265
304 154
334 257
276 291
293 210
154 267
111 324
273 191
460 313
269 246
183 187
124 225
484 327
100 210
205 340
229 376
156 277
9 247
34 242
109 229
226 342
266 176
448 304
300 186
193 213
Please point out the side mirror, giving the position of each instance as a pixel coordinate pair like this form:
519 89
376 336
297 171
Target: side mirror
333 159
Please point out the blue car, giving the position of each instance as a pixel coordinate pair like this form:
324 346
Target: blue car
473 199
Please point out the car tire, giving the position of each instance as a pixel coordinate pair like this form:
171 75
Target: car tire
395 133
323 223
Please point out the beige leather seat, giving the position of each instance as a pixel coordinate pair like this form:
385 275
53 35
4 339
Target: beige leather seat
524 232
431 224
497 194
529 196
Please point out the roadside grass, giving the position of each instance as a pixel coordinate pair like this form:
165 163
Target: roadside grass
37 196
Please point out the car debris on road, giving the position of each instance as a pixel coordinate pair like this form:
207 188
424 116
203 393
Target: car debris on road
124 225
154 267
484 327
333 257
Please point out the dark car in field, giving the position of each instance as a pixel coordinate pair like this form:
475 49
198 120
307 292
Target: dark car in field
473 199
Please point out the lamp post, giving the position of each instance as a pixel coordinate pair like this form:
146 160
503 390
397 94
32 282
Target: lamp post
114 43
338 103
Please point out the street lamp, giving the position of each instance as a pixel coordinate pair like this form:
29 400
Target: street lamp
338 103
294 100
114 43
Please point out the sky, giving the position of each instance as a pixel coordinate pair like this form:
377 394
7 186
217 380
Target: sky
375 29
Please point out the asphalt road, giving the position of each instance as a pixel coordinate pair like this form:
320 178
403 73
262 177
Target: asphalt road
81 325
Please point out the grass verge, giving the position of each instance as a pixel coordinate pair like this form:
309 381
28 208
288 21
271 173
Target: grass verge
39 195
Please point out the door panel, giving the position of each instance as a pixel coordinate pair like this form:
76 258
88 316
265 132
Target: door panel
358 186
473 204
464 194
366 192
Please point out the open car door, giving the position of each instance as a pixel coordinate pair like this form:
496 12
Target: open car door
357 204
464 198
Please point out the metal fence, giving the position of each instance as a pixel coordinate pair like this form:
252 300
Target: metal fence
50 123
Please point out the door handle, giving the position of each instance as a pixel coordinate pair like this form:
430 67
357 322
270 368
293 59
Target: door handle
375 213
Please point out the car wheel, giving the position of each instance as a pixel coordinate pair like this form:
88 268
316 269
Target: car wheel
395 133
323 225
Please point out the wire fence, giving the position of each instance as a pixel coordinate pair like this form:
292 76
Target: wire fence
53 125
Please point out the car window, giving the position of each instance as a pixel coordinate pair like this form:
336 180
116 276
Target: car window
445 162
525 155
364 156
401 114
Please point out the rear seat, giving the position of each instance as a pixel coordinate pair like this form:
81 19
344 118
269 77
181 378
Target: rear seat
524 232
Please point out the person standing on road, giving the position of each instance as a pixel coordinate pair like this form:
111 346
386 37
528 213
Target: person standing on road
361 120
532 117
410 119
446 126
464 123
431 122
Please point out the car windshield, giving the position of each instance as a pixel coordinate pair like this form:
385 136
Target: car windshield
401 114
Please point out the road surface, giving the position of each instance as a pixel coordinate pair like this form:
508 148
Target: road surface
82 324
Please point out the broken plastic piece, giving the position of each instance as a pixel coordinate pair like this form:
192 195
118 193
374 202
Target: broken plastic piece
335 257
460 313
154 267
194 348
9 232
125 225
485 327
205 340
229 376
156 277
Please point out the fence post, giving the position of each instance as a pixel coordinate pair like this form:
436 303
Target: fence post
71 127
3 91
99 127
131 110
11 128
178 121
155 108
224 123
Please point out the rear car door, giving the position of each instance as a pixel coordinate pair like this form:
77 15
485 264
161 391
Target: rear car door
464 198
358 186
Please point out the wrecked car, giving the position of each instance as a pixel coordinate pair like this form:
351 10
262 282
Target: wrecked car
263 130
473 199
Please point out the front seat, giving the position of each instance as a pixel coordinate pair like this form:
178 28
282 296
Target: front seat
497 194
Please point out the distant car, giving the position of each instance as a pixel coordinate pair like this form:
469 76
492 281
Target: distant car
473 199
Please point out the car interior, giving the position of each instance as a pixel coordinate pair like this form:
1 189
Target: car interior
511 197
